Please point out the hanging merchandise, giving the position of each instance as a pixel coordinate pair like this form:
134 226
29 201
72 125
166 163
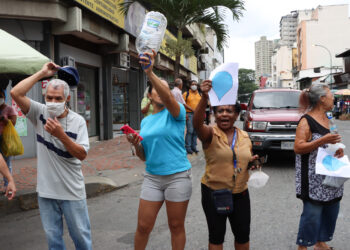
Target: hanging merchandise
11 142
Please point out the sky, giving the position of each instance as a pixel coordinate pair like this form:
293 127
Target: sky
261 18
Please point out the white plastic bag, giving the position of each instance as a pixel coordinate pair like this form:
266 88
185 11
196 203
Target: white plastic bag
332 148
333 181
258 179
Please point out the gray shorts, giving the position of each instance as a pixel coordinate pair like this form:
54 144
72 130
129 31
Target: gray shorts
175 187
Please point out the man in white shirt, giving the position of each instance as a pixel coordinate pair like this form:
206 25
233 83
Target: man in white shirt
62 143
177 93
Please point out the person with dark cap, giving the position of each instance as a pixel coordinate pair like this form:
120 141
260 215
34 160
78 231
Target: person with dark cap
62 143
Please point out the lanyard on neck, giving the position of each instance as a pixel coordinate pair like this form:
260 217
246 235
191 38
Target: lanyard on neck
233 149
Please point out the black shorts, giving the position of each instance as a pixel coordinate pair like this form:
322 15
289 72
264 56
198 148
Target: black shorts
239 219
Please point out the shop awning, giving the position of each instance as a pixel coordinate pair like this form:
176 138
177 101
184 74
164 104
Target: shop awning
343 92
346 53
17 59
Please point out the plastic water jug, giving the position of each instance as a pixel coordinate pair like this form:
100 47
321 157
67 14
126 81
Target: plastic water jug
332 125
152 33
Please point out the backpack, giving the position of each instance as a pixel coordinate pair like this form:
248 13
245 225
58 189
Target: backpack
188 93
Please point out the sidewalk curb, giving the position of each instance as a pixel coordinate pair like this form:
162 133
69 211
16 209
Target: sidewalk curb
95 186
24 201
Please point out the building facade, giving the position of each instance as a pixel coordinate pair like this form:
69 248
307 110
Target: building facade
342 81
100 42
283 68
288 29
211 56
263 52
320 36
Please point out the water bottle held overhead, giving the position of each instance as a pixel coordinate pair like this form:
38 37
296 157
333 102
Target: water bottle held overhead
151 34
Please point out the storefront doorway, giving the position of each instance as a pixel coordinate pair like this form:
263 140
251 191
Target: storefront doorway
87 98
120 104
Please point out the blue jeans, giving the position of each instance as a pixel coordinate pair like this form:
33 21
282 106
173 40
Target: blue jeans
77 218
317 223
191 135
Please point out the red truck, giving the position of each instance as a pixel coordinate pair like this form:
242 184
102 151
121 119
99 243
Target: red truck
271 119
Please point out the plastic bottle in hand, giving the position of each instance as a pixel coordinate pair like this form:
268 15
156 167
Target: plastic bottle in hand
152 33
332 125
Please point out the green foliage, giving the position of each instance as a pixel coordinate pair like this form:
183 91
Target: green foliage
180 13
179 47
202 29
246 79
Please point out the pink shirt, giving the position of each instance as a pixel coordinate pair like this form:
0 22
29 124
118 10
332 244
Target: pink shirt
6 112
178 95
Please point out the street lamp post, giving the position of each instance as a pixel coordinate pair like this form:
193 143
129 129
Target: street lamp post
330 58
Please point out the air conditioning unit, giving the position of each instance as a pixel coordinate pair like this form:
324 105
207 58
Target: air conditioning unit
68 61
124 60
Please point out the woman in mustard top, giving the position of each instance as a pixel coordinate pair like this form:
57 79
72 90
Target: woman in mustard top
228 151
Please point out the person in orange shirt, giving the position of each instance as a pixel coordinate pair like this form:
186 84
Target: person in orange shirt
192 98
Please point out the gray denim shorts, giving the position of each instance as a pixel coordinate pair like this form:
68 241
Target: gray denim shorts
175 187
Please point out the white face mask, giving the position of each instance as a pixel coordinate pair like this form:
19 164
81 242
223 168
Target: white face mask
55 109
194 87
2 101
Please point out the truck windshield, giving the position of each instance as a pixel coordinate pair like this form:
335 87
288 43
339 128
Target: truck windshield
276 99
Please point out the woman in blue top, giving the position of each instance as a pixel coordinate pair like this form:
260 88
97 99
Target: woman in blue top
168 171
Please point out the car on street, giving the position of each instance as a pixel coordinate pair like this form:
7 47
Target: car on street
271 119
243 100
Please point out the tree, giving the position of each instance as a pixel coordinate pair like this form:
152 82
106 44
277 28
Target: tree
246 79
181 13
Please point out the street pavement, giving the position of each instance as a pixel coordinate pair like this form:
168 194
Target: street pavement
109 165
110 155
275 212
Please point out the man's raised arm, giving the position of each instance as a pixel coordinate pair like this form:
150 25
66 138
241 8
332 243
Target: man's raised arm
19 92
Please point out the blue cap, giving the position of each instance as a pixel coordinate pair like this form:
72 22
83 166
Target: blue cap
69 74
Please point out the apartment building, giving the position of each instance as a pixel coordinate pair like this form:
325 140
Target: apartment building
281 64
263 52
320 36
288 29
211 58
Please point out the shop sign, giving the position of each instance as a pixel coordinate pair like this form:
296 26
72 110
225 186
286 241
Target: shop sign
193 64
21 123
189 63
43 86
108 9
167 36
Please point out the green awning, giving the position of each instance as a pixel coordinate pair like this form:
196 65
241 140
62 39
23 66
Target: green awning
17 59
